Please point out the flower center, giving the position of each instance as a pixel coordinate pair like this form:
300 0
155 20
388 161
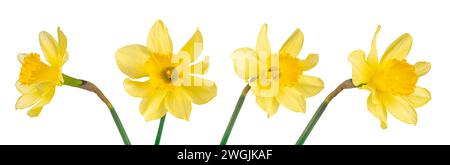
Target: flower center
163 72
289 70
35 71
397 77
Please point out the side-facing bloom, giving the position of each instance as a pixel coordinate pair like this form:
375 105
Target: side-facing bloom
391 81
173 81
38 80
277 78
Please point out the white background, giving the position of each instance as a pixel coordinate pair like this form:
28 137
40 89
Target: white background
96 29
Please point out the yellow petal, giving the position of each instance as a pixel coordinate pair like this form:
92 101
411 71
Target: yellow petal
152 106
193 47
137 88
361 72
292 99
422 68
293 45
178 103
400 108
372 58
399 49
50 48
45 99
200 67
202 92
131 60
62 45
309 85
420 97
309 62
27 100
268 104
375 106
245 63
159 40
22 56
262 44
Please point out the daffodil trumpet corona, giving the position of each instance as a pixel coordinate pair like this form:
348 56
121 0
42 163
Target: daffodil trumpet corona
168 82
391 81
275 78
38 80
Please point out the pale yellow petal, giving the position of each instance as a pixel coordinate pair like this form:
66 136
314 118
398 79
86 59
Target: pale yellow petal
268 104
292 99
309 85
201 91
27 100
152 106
159 40
399 49
178 103
200 67
376 107
50 48
34 112
245 63
131 60
294 44
22 56
193 47
262 43
309 62
361 71
372 58
62 45
419 97
137 88
45 99
400 108
422 68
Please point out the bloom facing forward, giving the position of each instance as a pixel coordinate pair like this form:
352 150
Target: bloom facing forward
38 80
171 85
391 81
277 78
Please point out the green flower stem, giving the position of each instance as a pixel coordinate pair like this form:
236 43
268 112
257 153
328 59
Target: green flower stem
347 84
227 133
86 85
160 129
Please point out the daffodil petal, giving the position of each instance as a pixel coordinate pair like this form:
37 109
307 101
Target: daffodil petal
193 47
377 109
294 44
201 93
420 97
137 88
422 68
372 58
400 108
27 100
399 49
262 43
159 40
292 99
309 62
62 45
45 99
245 63
152 107
178 103
22 56
361 72
50 48
309 85
268 104
200 67
131 60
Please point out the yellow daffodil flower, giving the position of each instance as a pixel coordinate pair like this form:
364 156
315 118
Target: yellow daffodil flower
391 81
171 85
38 80
277 78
